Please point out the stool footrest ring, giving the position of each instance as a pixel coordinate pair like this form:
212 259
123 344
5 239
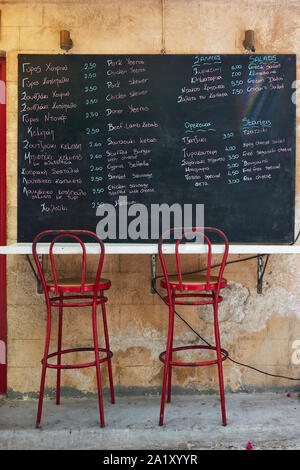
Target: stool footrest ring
108 356
64 301
193 364
183 299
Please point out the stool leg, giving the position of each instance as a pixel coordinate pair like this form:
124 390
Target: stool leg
44 367
60 315
167 360
170 367
220 363
97 364
111 384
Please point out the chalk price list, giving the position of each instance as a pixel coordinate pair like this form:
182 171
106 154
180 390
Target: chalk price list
251 153
92 117
49 168
232 159
156 129
130 132
237 81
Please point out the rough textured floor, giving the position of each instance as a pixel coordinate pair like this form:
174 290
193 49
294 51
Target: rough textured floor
267 420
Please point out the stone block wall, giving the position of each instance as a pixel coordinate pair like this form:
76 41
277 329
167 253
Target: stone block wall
256 329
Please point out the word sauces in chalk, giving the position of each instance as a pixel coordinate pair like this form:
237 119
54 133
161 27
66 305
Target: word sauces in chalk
217 130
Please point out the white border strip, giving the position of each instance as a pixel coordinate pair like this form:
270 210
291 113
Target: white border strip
143 248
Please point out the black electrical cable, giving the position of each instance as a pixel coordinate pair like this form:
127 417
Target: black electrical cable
216 266
293 243
32 268
206 342
267 260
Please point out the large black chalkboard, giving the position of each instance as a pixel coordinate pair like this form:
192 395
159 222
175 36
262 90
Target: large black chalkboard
217 130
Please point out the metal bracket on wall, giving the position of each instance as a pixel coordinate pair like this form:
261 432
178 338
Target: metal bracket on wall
153 274
39 288
261 268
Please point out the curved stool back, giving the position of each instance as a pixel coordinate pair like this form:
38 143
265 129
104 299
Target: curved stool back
67 235
202 231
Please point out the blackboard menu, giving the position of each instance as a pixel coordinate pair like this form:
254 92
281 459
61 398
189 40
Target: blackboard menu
126 130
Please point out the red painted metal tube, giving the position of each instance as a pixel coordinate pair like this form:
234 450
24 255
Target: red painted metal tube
193 364
108 356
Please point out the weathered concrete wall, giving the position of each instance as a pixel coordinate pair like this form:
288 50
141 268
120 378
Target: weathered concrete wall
256 329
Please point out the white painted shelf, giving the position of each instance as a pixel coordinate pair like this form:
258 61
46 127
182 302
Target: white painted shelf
136 248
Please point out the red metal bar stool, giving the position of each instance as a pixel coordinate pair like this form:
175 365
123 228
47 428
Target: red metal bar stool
83 292
192 289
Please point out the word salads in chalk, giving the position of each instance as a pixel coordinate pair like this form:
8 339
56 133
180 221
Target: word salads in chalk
186 130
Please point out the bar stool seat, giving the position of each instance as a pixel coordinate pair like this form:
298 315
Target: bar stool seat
74 285
195 281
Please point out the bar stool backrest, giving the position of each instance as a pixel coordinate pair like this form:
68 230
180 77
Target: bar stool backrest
77 235
202 231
